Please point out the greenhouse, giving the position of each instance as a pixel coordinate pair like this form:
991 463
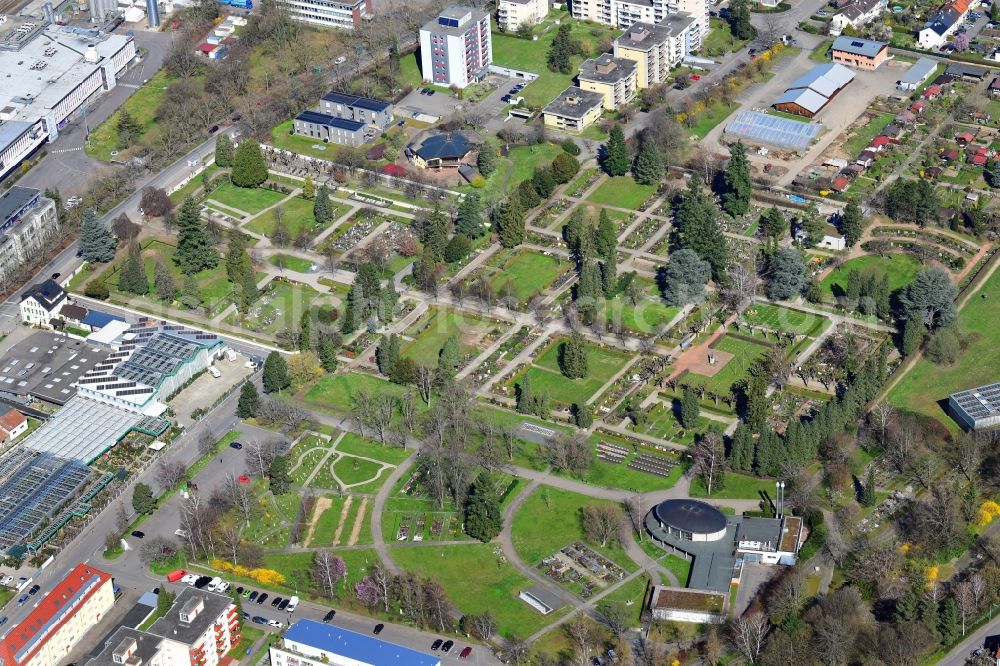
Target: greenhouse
756 127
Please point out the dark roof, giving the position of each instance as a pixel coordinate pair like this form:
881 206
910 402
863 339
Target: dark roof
862 47
960 70
47 293
170 625
71 311
318 118
144 646
13 200
690 515
759 529
359 102
444 146
99 319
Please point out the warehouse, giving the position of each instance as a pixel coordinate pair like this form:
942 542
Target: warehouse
811 92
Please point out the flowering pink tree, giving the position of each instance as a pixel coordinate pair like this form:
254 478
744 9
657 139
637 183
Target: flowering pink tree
961 42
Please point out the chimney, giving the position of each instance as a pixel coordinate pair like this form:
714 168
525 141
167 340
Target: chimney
605 67
639 35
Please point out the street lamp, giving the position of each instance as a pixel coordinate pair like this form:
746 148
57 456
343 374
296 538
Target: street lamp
780 507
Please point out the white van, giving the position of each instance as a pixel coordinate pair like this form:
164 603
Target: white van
214 371
292 603
223 587
214 584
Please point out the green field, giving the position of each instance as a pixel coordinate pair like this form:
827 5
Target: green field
778 318
516 166
536 535
545 375
327 523
677 566
298 215
609 475
621 192
901 269
651 312
290 262
357 445
476 580
720 39
744 353
436 326
334 392
142 105
708 119
248 199
735 486
354 471
525 273
926 387
663 423
281 305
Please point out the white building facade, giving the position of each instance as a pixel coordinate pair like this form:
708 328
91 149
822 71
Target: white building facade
346 15
456 49
512 14
623 13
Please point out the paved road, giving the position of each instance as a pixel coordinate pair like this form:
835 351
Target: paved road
961 652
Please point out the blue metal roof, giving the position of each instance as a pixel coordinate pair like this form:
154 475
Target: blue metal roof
352 100
862 47
359 647
317 118
99 319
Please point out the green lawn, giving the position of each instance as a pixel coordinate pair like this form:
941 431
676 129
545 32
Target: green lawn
359 446
525 273
280 306
651 312
735 486
663 423
298 217
720 39
511 51
744 353
476 580
819 54
608 475
517 166
435 327
536 535
303 145
326 525
335 392
901 269
248 199
925 388
290 262
352 470
864 134
193 185
545 375
142 106
678 566
621 192
710 117
785 319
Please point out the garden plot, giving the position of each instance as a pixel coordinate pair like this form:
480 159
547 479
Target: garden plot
430 332
581 569
545 375
280 305
522 274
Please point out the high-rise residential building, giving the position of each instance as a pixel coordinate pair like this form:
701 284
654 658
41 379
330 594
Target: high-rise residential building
656 48
512 14
346 14
613 77
623 13
456 48
27 221
61 619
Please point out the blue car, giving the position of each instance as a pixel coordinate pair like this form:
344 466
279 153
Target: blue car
257 619
22 599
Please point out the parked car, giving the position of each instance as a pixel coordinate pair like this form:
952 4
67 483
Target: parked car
262 598
22 599
7 580
283 605
202 582
340 60
235 445
223 588
213 129
243 478
696 77
257 619
329 615
253 596
436 645
292 603
464 654
448 645
378 628
275 624
239 590
34 589
276 601
3 620
214 584
246 615
189 579
172 577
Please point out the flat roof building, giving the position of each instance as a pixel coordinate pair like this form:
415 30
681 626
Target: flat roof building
976 409
574 109
512 14
311 643
456 48
655 48
329 129
374 112
615 78
47 366
343 14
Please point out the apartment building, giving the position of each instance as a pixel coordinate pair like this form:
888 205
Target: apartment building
574 109
512 14
456 49
623 13
655 48
199 630
373 112
614 78
27 221
61 619
346 15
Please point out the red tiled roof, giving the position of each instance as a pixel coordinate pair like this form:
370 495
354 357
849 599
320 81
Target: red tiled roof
840 184
965 136
978 160
932 90
20 636
917 106
951 154
207 48
879 141
11 420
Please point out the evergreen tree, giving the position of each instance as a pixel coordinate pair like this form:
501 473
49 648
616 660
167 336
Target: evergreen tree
275 375
246 292
525 396
913 336
949 622
129 129
278 477
249 401
583 416
575 228
133 275
588 291
164 283
606 237
683 279
96 242
322 207
868 489
305 331
564 167
195 251
699 230
238 263
736 198
487 160
616 157
483 517
741 451
774 223
190 293
223 151
929 616
387 354
852 223
573 357
739 20
543 182
434 234
930 298
142 499
648 168
510 223
527 195
755 403
450 356
469 221
786 274
308 188
690 408
907 608
561 51
457 249
249 167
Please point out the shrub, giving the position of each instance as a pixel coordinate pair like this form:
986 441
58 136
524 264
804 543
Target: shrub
97 288
570 147
478 182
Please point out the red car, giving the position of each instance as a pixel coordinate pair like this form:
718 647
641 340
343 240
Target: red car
243 478
175 576
466 652
696 77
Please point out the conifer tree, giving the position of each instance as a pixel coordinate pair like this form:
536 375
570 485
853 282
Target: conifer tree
305 331
190 293
249 167
450 356
690 408
510 224
387 354
483 517
868 489
573 357
648 169
308 188
133 276
327 351
195 251
741 451
223 151
96 242
736 198
469 221
616 158
249 401
699 230
852 223
275 374
583 416
322 206
164 283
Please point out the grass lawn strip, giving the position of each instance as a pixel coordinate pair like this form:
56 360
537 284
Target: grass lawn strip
735 486
291 263
621 192
335 392
436 326
248 199
901 269
526 273
328 522
789 320
351 470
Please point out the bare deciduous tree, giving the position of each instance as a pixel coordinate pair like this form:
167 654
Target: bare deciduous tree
169 473
709 456
748 632
602 523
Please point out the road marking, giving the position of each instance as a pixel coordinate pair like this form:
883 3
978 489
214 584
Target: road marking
67 150
128 85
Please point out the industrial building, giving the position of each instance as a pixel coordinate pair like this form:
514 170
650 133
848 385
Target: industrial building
512 14
574 109
919 72
614 78
50 74
46 366
623 13
311 643
346 14
861 53
456 48
27 221
976 409
62 618
811 92
656 48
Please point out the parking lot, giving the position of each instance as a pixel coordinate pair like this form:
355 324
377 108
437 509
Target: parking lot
206 389
442 104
